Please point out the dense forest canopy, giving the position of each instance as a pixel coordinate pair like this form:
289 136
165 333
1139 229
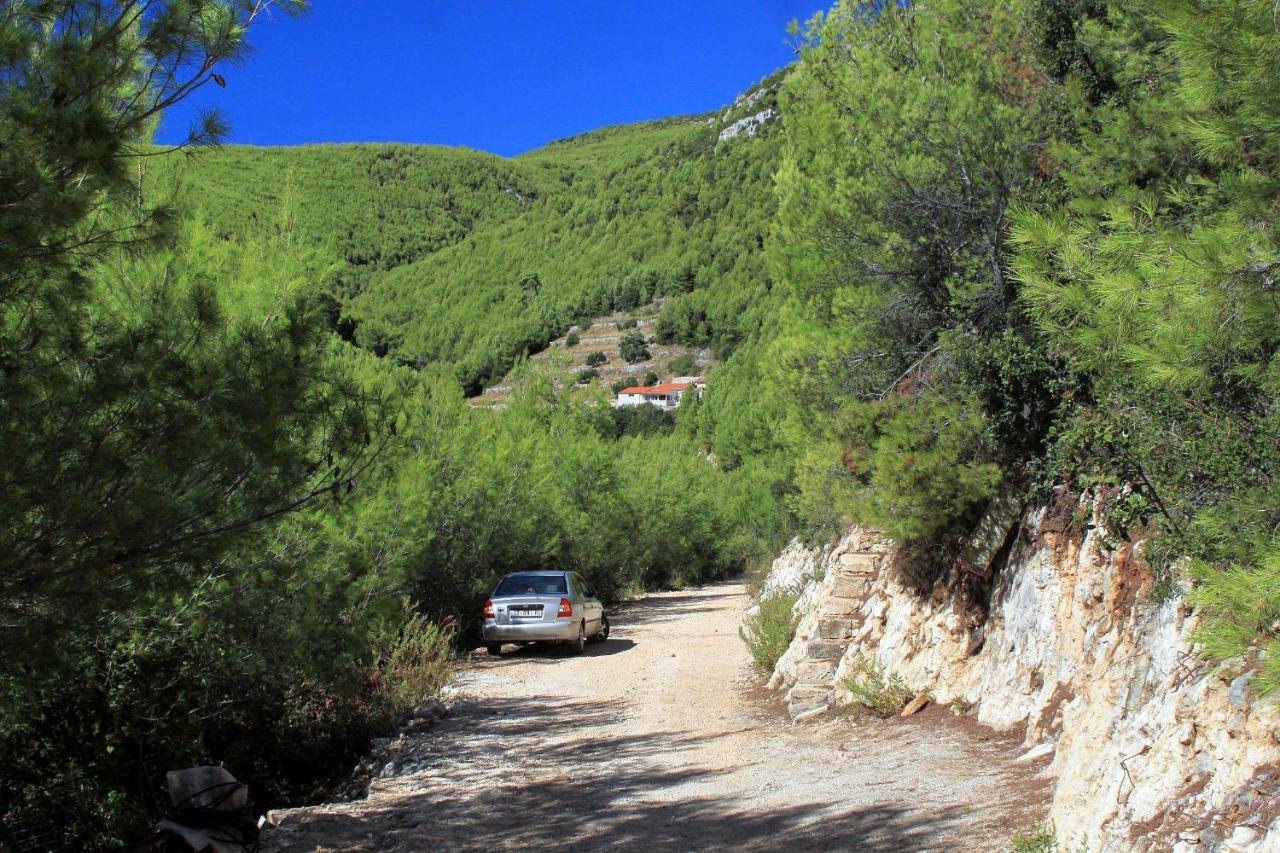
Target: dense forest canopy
374 207
968 251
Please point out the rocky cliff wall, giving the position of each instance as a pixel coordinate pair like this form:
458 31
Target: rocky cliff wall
1043 626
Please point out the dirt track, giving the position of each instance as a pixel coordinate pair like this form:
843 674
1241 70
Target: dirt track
655 740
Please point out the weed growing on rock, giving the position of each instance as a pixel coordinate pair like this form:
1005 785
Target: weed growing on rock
1039 839
884 693
767 629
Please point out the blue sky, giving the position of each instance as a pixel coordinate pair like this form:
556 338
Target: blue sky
499 75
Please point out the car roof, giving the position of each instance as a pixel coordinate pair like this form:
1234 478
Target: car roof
537 572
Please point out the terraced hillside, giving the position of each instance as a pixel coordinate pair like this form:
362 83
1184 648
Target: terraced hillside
603 335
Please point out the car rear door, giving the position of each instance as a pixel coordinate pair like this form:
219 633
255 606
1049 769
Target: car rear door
592 609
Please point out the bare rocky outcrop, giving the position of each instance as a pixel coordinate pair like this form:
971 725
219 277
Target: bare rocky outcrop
747 125
1041 626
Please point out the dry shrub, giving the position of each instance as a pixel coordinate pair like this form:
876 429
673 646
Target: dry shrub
417 664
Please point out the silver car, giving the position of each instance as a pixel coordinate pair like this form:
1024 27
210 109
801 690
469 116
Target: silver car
528 607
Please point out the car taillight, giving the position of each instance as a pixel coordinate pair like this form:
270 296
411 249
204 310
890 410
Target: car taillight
566 609
488 609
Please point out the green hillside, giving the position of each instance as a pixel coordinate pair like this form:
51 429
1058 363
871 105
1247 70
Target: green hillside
475 260
376 207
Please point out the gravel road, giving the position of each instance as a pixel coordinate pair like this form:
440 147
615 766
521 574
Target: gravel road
659 739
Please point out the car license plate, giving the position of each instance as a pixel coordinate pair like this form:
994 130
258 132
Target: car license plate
525 611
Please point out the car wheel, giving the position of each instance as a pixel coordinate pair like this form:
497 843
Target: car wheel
603 634
494 649
576 646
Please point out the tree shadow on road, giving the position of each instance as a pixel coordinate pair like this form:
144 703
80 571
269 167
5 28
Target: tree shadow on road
540 773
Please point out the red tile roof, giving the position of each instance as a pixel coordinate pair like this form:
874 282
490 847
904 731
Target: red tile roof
664 388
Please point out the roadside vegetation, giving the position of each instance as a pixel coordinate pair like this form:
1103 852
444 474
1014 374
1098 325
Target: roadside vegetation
417 664
1039 839
1035 243
880 691
767 630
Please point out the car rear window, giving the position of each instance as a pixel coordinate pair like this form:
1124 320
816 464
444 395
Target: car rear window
532 585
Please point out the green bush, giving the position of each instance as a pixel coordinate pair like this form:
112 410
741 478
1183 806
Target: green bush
585 376
632 347
625 324
651 378
596 359
918 464
415 665
572 339
768 628
685 365
875 688
645 419
287 702
1018 384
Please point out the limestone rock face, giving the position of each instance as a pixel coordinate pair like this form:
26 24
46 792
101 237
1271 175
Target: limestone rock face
747 125
1043 628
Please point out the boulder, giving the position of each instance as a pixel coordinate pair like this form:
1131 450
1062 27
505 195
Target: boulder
916 705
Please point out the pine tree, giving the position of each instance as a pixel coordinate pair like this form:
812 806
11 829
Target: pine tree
1155 277
912 131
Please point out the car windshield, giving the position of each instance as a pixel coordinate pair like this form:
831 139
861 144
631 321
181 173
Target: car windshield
532 585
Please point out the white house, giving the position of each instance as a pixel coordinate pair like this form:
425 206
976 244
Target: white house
666 395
